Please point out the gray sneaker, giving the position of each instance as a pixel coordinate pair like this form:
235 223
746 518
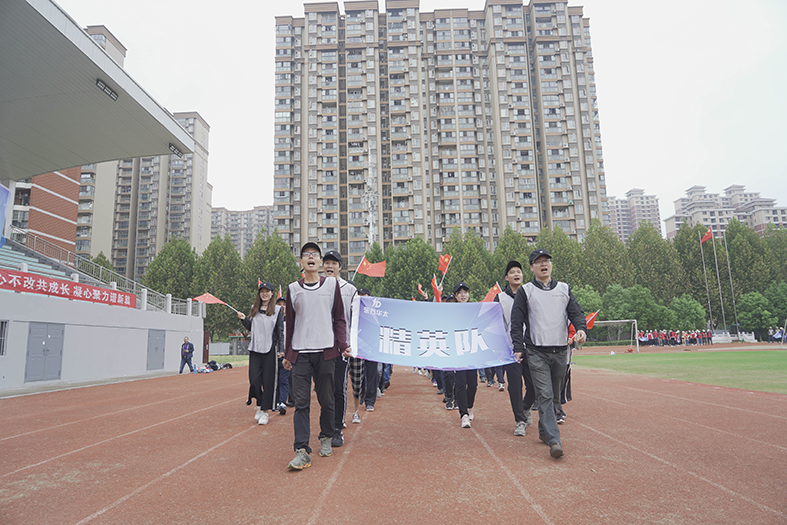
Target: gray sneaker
520 428
529 420
300 461
325 447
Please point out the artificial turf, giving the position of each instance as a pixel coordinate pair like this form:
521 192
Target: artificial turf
763 371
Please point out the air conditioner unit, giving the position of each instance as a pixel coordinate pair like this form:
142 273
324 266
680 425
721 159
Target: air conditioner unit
319 210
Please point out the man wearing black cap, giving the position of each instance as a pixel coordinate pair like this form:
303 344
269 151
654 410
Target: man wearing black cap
332 265
518 371
543 308
316 334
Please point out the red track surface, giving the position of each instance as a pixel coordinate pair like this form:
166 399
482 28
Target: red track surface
638 450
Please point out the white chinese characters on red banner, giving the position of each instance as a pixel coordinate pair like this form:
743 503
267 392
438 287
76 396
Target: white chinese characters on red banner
30 283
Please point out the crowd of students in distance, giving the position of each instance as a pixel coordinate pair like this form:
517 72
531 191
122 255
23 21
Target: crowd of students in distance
675 337
300 344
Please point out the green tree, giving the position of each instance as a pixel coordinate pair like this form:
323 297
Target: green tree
269 259
455 247
614 303
477 267
513 246
655 263
775 240
220 271
376 285
689 313
102 261
604 260
687 244
588 298
776 294
172 269
642 307
408 265
566 256
753 313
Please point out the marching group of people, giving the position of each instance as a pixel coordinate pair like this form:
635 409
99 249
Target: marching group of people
675 337
300 343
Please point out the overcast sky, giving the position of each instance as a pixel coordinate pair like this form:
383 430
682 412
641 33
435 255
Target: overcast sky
689 91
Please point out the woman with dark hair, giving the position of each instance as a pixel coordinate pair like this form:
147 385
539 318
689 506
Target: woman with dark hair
265 322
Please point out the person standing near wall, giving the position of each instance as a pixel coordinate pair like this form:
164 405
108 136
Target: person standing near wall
265 322
186 353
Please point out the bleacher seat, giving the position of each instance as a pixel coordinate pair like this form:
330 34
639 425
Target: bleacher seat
10 260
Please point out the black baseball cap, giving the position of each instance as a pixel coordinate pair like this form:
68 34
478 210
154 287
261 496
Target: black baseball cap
461 285
364 291
311 245
512 264
265 285
281 299
448 298
535 254
333 255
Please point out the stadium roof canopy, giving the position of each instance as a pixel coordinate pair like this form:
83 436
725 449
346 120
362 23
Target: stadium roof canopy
64 102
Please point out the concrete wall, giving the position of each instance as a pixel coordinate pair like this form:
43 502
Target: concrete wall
100 341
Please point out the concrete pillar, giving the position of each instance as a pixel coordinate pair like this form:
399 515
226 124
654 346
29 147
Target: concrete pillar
75 277
188 307
169 303
143 297
23 267
113 285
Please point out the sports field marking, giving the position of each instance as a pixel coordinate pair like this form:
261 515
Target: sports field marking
678 467
168 400
116 437
165 475
332 481
694 423
525 494
707 402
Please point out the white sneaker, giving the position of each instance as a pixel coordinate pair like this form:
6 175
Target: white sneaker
257 414
465 422
263 418
356 417
501 387
470 414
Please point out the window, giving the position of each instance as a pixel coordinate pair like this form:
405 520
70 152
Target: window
3 336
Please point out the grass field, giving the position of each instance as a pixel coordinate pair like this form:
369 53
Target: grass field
764 371
234 360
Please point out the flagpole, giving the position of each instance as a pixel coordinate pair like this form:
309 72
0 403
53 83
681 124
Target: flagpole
732 290
446 270
704 271
718 280
356 269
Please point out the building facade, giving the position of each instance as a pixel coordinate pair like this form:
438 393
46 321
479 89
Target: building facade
625 215
242 226
715 210
408 123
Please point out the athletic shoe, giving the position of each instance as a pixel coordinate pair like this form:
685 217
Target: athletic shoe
248 402
370 408
520 428
560 419
529 419
465 422
344 424
325 447
490 384
257 414
470 414
289 404
420 373
534 408
415 370
556 450
337 440
356 417
282 409
501 387
263 418
434 383
445 399
440 391
300 461
449 405
379 393
387 385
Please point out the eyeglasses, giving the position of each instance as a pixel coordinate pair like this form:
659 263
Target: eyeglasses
542 261
310 255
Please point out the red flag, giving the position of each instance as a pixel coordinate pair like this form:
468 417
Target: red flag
445 260
372 270
589 319
708 235
490 295
413 298
422 292
437 294
259 282
209 299
279 296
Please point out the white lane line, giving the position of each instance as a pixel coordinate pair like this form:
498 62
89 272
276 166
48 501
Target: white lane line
678 467
707 402
332 480
160 478
525 494
169 399
694 423
116 437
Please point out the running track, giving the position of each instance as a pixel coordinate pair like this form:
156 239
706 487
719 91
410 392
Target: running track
185 449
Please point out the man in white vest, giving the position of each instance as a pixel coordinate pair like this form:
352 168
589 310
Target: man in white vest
544 308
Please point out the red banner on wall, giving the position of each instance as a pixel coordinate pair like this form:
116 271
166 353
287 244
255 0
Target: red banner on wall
31 283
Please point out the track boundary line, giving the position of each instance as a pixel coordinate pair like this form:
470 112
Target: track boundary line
103 441
694 474
168 400
535 506
707 402
161 477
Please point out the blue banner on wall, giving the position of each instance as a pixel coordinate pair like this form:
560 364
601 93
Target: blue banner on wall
445 336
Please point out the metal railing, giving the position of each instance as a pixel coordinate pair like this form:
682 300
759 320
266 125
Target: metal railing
155 300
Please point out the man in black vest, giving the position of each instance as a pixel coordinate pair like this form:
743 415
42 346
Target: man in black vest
545 307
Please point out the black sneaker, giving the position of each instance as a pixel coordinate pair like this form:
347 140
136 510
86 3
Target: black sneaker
534 408
282 409
337 440
449 405
440 391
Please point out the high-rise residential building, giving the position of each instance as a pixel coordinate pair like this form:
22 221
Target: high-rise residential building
715 210
625 215
160 197
403 123
242 226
